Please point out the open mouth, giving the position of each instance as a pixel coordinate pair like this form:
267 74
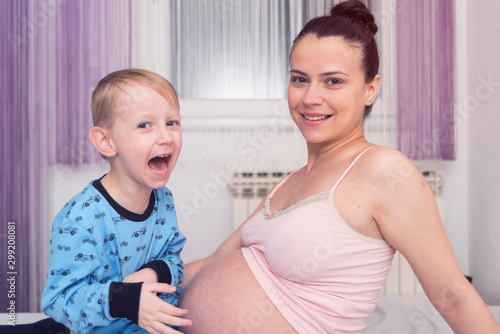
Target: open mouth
159 164
316 118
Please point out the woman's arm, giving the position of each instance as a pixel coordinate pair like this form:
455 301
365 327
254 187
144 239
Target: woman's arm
231 243
408 217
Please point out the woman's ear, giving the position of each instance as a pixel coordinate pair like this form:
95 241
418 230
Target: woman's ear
102 141
372 90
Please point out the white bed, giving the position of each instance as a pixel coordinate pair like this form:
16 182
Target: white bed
22 318
409 314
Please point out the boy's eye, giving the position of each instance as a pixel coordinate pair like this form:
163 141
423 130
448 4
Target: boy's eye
172 123
144 126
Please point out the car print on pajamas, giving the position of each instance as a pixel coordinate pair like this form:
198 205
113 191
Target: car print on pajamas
71 230
136 234
100 215
70 207
95 198
84 319
91 297
63 248
101 301
60 271
116 220
84 258
109 237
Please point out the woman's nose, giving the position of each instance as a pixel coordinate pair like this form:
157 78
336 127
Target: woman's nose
313 95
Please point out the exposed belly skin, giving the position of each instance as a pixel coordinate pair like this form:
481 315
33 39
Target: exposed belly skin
225 297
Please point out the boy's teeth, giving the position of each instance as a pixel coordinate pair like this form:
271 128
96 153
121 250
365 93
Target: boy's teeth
159 171
315 118
159 164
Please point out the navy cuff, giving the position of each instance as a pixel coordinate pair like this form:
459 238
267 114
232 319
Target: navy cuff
162 270
124 300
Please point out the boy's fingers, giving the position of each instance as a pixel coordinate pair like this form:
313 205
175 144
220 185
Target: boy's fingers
175 321
171 310
161 287
162 329
175 311
160 324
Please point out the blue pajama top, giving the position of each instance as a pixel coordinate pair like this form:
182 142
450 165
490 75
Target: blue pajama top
96 242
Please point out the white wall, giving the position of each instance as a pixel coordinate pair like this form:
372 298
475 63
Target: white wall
481 112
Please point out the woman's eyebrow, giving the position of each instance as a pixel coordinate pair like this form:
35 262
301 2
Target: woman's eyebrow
322 74
333 73
298 72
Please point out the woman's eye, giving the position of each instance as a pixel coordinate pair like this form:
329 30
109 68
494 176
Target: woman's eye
144 125
333 81
299 80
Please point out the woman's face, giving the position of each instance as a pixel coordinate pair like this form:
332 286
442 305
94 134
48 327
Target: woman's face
327 93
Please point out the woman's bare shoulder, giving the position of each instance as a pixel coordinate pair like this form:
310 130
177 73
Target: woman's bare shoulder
386 154
385 157
389 168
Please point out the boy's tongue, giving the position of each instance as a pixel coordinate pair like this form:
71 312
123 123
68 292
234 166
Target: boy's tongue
158 164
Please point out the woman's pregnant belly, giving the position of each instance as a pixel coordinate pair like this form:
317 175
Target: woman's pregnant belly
225 297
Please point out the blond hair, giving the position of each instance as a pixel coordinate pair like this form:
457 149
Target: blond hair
108 89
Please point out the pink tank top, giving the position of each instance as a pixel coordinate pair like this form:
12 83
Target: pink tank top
321 274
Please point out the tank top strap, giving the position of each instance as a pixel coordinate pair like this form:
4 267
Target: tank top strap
349 168
280 183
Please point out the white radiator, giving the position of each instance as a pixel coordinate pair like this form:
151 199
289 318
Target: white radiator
249 188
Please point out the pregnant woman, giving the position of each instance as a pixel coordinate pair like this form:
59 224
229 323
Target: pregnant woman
315 254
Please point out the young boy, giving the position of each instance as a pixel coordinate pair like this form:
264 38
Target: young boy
116 245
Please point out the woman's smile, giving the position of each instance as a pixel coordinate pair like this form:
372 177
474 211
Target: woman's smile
315 117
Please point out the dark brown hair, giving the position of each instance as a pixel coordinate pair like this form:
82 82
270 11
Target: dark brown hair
354 22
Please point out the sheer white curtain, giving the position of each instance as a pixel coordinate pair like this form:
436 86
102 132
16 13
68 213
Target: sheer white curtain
381 126
237 49
152 33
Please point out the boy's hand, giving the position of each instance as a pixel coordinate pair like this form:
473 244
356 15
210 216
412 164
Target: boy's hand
146 275
154 313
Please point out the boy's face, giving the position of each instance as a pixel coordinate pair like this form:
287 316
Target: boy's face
146 133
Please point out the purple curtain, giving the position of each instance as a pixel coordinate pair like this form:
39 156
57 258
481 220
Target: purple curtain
14 153
93 39
53 54
426 78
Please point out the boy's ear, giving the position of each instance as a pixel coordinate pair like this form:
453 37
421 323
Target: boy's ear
102 141
372 90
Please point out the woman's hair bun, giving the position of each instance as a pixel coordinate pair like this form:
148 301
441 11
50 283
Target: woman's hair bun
356 11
